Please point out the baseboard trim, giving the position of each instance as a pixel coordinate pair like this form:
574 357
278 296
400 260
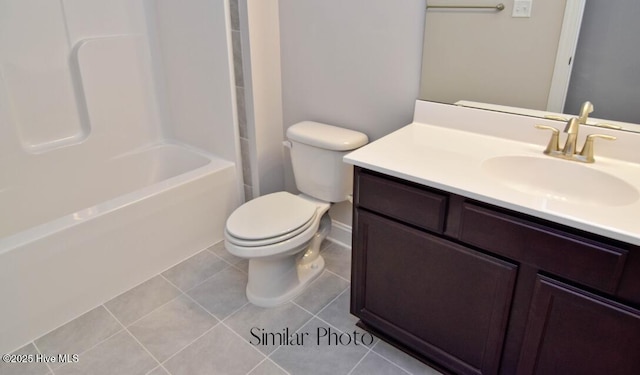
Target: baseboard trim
340 233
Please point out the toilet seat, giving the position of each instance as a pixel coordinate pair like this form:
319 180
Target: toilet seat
270 219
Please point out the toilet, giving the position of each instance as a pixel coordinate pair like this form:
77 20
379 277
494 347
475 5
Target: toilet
281 233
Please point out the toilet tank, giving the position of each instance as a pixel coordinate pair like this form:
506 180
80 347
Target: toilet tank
316 156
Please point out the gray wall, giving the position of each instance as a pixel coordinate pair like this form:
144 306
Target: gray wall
607 63
350 63
353 63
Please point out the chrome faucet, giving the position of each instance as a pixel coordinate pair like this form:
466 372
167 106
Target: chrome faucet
569 151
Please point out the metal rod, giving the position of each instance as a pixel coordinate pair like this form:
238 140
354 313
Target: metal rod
499 7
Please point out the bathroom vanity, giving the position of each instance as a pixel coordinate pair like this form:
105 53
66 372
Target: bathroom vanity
479 276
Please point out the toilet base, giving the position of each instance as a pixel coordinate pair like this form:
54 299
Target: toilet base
275 280
288 286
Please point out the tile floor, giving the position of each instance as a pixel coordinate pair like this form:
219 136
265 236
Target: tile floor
195 319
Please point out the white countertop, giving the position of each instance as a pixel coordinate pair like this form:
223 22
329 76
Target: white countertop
450 156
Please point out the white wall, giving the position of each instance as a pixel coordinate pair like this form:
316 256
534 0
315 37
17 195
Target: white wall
191 46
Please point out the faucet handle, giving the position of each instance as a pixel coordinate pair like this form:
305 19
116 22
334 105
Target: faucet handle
587 149
553 145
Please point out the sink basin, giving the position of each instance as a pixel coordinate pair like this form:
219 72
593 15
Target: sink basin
560 180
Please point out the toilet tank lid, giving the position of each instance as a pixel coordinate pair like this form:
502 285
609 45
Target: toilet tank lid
325 136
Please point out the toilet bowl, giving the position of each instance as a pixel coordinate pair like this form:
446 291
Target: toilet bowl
283 263
281 233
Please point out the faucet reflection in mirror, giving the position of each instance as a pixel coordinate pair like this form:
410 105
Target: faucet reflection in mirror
570 147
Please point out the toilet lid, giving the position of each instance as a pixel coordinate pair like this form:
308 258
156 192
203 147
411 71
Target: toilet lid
268 216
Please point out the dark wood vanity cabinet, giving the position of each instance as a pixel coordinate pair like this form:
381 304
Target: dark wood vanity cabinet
570 331
440 298
476 289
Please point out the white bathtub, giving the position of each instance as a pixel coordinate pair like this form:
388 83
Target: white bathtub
75 233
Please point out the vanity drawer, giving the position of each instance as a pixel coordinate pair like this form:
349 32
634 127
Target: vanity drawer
411 204
563 254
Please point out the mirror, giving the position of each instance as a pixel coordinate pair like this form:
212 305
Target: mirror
604 70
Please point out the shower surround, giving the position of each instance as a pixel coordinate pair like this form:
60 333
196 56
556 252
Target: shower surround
119 150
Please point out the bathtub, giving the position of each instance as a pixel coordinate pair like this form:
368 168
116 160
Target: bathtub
76 232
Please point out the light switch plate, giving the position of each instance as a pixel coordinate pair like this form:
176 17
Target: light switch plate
522 8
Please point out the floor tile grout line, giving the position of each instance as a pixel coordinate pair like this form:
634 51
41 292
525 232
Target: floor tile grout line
333 300
182 292
91 348
277 365
94 345
208 249
390 361
359 362
312 315
150 312
329 324
267 359
40 352
325 306
238 268
234 265
243 339
167 269
138 341
229 266
217 256
256 366
170 283
369 349
124 327
155 368
188 345
319 318
335 274
223 321
220 321
296 331
234 312
64 324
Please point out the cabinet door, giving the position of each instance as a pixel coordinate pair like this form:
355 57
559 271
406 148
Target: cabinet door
444 301
570 331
